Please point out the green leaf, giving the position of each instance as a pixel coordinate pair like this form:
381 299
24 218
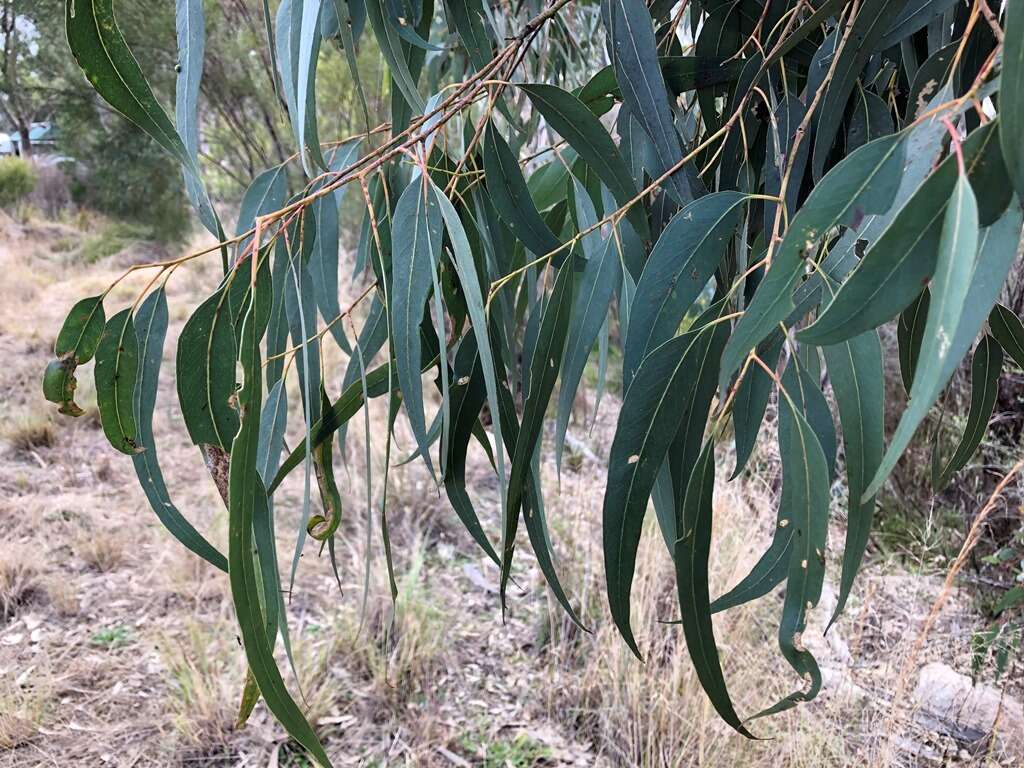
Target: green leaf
81 332
246 496
871 120
635 59
76 344
1012 598
101 51
858 381
511 197
323 259
190 24
913 16
903 258
869 25
985 369
680 266
639 448
533 511
417 230
958 248
570 118
543 368
800 391
468 19
206 373
264 195
909 334
805 488
298 48
116 374
689 437
465 269
692 550
601 276
681 74
1009 332
864 183
378 382
1011 95
151 322
390 42
469 393
751 400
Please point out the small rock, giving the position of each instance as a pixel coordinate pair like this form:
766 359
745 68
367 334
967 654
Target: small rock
950 703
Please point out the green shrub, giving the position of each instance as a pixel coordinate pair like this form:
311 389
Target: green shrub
17 180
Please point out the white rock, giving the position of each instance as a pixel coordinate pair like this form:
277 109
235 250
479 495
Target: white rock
950 703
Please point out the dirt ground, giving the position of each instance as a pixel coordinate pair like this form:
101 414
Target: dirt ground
117 646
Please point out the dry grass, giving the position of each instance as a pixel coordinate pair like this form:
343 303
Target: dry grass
20 581
29 432
102 550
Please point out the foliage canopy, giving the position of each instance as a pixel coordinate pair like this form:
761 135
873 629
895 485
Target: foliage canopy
739 199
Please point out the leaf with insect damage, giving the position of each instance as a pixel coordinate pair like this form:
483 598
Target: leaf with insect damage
76 344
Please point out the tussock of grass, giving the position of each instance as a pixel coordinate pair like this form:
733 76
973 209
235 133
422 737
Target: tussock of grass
19 580
29 431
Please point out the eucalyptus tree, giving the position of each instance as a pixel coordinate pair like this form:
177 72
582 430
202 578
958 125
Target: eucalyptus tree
739 194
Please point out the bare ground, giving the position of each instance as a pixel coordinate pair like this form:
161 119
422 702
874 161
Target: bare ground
117 647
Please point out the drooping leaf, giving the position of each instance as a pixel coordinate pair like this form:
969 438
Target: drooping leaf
323 259
1011 95
752 399
246 495
571 119
206 374
151 324
903 258
265 194
871 120
800 395
465 268
985 369
116 374
680 266
417 230
909 333
858 381
469 393
1008 330
635 60
298 49
806 491
958 248
390 42
864 183
601 276
101 51
872 19
467 17
190 23
681 74
638 451
692 550
543 367
511 197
